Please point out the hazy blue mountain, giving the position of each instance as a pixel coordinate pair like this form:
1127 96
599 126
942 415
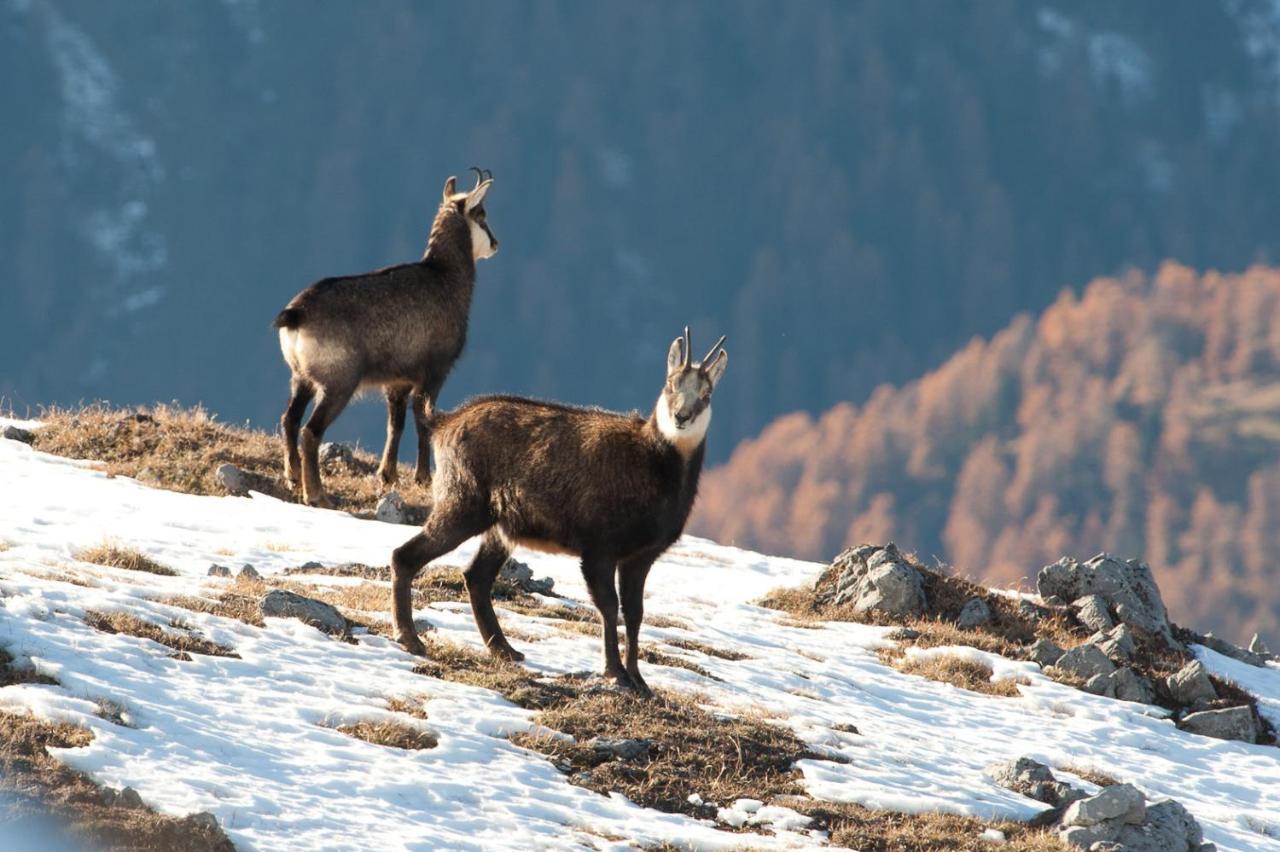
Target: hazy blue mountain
850 190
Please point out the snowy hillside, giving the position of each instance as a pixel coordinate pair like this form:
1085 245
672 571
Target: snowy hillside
252 738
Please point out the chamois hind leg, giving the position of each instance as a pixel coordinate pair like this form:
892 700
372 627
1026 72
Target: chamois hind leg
424 404
329 405
444 530
631 576
480 575
598 572
301 393
397 405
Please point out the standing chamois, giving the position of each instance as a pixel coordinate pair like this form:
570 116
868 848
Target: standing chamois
614 489
401 328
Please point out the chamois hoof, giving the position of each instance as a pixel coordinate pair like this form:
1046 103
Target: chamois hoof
319 501
505 652
413 645
423 479
639 687
388 476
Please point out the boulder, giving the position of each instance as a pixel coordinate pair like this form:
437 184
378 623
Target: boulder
520 575
233 479
281 604
1190 685
248 572
1101 684
1127 587
129 798
1092 612
613 748
903 634
869 578
13 433
1128 685
219 571
1031 779
1233 723
335 453
1045 652
974 613
391 509
1227 649
1123 802
1085 661
1168 827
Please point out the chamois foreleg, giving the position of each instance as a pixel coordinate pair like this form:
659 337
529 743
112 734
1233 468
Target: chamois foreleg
598 572
480 575
329 405
632 574
300 395
397 405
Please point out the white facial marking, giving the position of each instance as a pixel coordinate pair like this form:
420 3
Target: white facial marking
685 439
481 247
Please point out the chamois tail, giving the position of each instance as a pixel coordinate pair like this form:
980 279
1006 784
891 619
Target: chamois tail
288 318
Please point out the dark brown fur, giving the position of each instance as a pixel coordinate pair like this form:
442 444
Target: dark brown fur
610 488
401 328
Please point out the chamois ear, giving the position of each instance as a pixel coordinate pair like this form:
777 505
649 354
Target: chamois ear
675 355
450 188
476 198
715 369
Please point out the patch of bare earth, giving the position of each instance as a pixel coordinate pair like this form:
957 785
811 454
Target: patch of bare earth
131 625
119 556
181 448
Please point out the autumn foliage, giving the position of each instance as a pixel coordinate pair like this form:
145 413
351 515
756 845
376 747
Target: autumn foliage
1142 417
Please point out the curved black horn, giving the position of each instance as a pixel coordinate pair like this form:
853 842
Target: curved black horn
688 346
479 176
488 175
714 350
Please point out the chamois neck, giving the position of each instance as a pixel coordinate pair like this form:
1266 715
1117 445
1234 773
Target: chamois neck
690 441
450 242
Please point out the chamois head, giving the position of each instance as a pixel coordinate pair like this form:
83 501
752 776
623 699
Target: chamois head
684 409
471 206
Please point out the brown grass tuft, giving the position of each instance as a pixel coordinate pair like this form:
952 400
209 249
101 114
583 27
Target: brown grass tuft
1093 776
127 558
37 785
227 605
392 734
856 827
131 625
180 448
10 675
966 674
709 650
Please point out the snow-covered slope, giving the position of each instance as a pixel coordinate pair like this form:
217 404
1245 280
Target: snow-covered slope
251 739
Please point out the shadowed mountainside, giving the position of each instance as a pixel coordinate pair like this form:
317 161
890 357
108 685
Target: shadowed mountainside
1142 417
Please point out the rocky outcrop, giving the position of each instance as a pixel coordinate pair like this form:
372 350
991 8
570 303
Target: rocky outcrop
1120 590
1231 723
875 579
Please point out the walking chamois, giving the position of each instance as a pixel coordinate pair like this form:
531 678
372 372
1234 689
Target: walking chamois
401 328
613 489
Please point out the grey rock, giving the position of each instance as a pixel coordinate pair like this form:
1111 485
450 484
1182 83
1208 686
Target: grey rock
128 798
1085 836
1033 780
1257 646
219 571
1029 611
887 554
974 613
233 479
1092 612
108 795
521 575
611 748
311 566
903 634
1101 684
391 509
1168 827
1085 661
248 572
1127 587
1123 802
1190 685
1045 652
1207 847
335 453
874 578
1122 636
1227 649
282 604
203 820
14 433
1233 723
1128 685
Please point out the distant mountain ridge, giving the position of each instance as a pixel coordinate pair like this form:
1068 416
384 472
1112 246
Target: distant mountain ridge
1142 418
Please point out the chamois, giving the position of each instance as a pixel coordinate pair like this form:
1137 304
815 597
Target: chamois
401 328
613 489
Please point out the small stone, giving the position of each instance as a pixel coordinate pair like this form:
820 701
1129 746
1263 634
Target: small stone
974 613
311 566
542 586
903 634
1031 779
248 572
1190 685
1029 611
1045 652
1233 723
128 798
333 453
1092 612
281 604
1128 685
515 572
233 479
108 796
391 509
1114 802
612 748
219 571
13 433
203 820
1257 646
1085 661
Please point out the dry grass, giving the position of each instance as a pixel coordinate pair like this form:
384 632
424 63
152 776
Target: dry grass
10 674
39 786
227 605
856 827
460 664
118 556
1093 776
651 654
709 650
391 734
179 449
966 674
131 625
411 705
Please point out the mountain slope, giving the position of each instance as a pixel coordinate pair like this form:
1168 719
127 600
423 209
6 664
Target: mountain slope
253 738
1142 417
